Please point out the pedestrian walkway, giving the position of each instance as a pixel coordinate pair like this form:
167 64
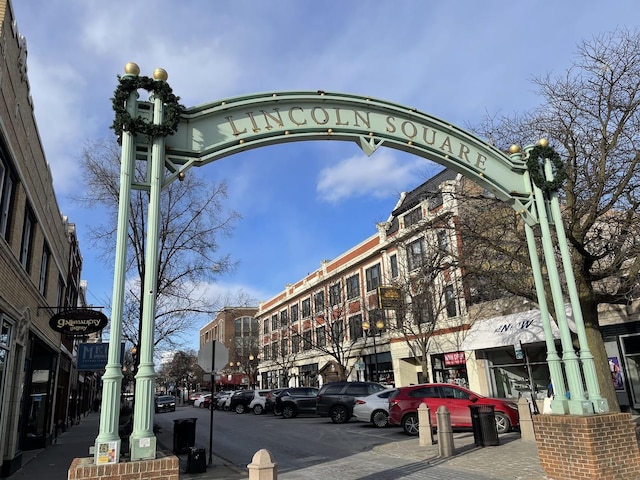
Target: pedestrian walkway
513 459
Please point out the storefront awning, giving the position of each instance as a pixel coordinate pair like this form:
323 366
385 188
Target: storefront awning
525 327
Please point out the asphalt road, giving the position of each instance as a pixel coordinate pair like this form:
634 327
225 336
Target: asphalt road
295 443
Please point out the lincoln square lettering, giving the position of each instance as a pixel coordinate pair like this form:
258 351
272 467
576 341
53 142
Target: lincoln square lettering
298 117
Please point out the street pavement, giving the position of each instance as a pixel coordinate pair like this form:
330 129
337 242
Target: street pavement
513 459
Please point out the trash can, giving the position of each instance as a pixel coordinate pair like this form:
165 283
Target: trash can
483 422
196 461
184 435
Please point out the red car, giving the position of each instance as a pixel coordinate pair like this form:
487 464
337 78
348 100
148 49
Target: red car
403 406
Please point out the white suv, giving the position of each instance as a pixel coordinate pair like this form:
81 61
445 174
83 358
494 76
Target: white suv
259 402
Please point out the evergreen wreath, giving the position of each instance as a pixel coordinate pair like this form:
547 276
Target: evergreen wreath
124 122
536 170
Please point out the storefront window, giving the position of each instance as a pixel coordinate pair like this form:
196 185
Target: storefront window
450 368
513 378
5 341
631 347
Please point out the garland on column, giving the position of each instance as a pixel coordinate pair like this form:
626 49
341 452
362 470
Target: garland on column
123 122
536 169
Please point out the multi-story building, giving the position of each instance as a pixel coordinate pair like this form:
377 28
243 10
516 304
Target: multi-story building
237 329
40 268
334 324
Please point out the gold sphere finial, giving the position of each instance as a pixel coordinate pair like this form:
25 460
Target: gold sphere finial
132 69
515 148
160 74
543 142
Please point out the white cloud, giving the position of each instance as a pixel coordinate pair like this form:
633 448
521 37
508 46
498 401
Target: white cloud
381 175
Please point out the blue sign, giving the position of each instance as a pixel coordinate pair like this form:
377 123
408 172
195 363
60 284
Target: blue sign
93 356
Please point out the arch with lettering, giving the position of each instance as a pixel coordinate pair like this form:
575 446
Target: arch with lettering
212 131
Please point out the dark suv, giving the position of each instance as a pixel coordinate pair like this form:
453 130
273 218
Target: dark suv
336 399
240 401
292 401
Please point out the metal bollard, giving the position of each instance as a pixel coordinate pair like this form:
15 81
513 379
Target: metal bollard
445 432
424 422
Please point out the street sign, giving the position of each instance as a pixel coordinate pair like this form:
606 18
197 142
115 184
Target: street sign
213 356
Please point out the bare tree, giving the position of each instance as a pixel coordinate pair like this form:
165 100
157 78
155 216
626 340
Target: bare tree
192 220
335 327
591 116
430 286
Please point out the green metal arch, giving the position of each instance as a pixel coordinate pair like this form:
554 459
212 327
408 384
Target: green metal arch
215 130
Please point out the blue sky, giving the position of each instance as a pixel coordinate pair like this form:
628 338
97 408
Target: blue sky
301 202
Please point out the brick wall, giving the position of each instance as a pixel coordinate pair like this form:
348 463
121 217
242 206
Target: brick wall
574 447
162 468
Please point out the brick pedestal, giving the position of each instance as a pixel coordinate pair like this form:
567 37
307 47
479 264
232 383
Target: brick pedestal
164 467
575 447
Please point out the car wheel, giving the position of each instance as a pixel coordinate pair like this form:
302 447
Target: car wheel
339 414
240 408
380 418
503 425
288 411
276 411
257 409
410 424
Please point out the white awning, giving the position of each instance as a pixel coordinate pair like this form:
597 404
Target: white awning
506 330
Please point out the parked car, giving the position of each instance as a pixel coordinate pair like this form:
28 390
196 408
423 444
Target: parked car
224 399
373 408
194 396
271 399
293 401
217 396
165 403
259 402
404 403
336 399
240 401
202 401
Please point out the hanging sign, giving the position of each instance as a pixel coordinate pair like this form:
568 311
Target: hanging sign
389 297
78 321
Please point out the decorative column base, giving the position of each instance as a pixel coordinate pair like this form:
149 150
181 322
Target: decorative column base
573 447
163 467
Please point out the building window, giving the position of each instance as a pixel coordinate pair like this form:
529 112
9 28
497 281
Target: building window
306 308
284 347
284 320
265 326
373 277
7 187
394 266
306 340
321 336
274 323
334 294
422 309
413 217
355 327
28 230
450 297
318 302
443 240
353 286
266 352
274 350
60 292
337 332
294 313
415 254
295 344
44 271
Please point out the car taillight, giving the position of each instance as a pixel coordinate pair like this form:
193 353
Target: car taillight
360 402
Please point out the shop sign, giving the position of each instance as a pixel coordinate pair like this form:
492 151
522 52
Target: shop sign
454 358
389 297
78 322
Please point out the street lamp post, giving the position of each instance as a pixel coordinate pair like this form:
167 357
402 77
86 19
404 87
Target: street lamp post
374 331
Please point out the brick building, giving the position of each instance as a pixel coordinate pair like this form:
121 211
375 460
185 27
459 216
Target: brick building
40 268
